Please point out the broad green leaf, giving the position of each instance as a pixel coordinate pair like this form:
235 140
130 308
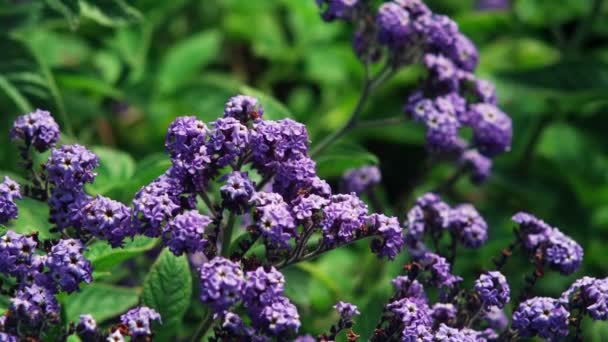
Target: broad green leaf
342 156
167 289
14 94
544 13
100 300
109 12
68 8
33 217
104 257
185 59
115 169
146 171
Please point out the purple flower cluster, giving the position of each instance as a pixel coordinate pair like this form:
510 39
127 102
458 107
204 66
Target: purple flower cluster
237 191
359 180
139 321
222 283
33 304
244 108
589 295
468 226
86 327
16 254
343 217
9 192
557 250
67 266
390 239
185 233
273 219
543 317
346 310
37 129
493 289
155 204
107 220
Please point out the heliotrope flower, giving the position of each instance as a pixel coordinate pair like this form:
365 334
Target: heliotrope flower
394 24
562 253
338 9
588 294
390 239
346 310
71 166
343 217
237 191
243 108
155 204
493 289
543 317
9 192
468 226
411 312
492 131
86 327
37 129
443 313
263 287
429 214
66 205
35 305
273 220
228 139
279 317
108 220
67 266
185 233
185 142
479 165
222 283
16 253
139 320
359 180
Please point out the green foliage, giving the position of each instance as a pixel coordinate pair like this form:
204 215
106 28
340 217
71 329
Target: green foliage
104 257
100 300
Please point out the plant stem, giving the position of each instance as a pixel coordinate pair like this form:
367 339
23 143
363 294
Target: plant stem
202 328
208 203
227 234
381 122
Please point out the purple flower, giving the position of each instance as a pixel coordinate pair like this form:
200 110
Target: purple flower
589 294
443 313
35 304
443 73
416 333
338 9
108 220
8 209
185 142
437 31
66 205
4 337
274 221
543 317
562 253
492 131
464 53
155 204
116 336
532 230
393 24
449 334
429 214
71 166
10 189
37 129
16 253
485 91
87 327
466 224
407 288
496 318
304 207
493 289
228 140
237 191
440 270
233 323
391 240
415 8
294 175
479 165
243 108
222 283
139 319
67 266
273 142
411 312
343 218
185 233
346 310
263 287
279 317
359 180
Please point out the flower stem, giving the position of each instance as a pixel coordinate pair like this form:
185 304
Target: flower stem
208 203
202 328
227 234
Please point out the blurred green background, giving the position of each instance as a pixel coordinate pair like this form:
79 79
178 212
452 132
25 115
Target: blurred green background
115 73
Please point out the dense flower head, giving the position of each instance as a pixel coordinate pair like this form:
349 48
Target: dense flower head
493 289
390 239
417 333
222 283
496 318
468 225
228 140
343 218
293 175
479 165
464 53
35 304
9 192
66 206
346 310
394 24
243 108
16 253
532 230
443 74
541 316
71 166
273 142
428 214
67 266
406 287
155 204
107 220
4 337
273 220
338 9
139 320
411 312
361 179
588 294
185 233
562 253
263 287
279 317
86 327
492 130
448 334
439 269
443 313
438 32
237 191
304 207
185 143
37 129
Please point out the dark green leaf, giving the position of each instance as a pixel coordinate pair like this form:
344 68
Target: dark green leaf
105 257
100 300
341 157
109 12
33 217
167 289
115 169
273 109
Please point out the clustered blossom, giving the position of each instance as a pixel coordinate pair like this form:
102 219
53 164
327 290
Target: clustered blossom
493 289
107 220
390 239
468 226
87 327
556 250
237 191
67 266
185 233
16 254
589 295
37 129
222 283
361 179
34 304
343 217
139 320
9 192
273 219
543 317
346 310
244 108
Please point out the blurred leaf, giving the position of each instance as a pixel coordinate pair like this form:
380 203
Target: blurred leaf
115 169
109 12
13 93
104 257
273 109
147 170
544 12
343 156
481 25
68 8
185 59
167 289
100 300
33 217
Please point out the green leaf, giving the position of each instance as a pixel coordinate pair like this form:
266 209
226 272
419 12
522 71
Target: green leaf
104 257
100 300
109 12
14 94
115 169
185 59
33 217
273 109
167 289
342 156
68 8
146 171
